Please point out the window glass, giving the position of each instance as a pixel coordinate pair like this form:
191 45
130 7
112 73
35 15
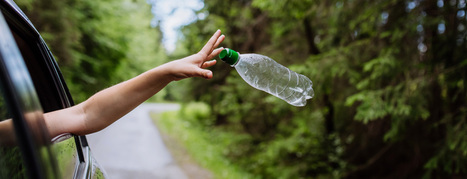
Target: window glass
11 162
64 146
47 160
65 152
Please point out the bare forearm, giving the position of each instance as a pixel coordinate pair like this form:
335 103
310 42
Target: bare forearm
7 136
107 106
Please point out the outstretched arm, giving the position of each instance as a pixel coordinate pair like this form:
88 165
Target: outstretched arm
109 105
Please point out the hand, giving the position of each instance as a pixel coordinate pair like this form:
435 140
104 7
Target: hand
110 104
194 65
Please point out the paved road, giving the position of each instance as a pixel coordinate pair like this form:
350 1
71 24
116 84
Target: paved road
132 147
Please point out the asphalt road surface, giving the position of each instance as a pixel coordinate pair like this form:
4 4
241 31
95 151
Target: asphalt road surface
132 147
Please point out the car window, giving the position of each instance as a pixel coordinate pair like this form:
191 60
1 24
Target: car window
66 154
50 93
23 135
11 163
39 70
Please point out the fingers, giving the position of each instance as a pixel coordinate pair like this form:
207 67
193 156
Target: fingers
203 73
208 64
207 74
219 41
215 53
212 42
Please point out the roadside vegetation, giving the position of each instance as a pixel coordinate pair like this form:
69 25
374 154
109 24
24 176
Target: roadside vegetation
204 148
390 81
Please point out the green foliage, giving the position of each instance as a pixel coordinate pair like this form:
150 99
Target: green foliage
97 43
11 163
206 147
390 87
389 77
196 113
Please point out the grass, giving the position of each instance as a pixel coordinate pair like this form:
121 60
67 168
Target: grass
206 148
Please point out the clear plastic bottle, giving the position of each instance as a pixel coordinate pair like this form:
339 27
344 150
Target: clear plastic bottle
263 73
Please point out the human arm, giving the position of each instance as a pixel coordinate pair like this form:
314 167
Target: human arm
7 135
108 105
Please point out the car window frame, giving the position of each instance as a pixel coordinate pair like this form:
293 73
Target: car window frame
17 89
20 21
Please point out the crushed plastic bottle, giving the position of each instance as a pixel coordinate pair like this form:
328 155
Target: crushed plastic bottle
263 73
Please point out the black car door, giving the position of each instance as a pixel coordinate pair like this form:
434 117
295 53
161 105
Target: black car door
31 84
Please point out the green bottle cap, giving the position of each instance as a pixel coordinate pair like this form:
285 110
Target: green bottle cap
229 56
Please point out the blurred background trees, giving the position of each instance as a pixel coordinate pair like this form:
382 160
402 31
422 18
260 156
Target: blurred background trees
389 79
97 43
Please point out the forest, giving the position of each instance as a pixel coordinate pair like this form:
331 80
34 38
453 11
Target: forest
389 78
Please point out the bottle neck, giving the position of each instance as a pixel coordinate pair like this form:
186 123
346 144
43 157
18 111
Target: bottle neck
236 62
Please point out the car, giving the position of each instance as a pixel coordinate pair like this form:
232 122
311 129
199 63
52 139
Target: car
31 84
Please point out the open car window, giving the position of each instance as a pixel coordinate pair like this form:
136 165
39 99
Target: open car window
23 128
32 84
50 91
